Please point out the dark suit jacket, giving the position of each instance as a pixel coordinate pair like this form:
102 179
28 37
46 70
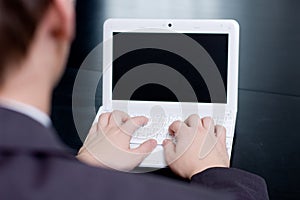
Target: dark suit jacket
35 165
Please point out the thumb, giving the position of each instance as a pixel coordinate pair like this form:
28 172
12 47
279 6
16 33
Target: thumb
132 124
145 148
169 150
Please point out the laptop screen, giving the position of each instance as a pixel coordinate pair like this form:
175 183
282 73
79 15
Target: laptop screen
171 72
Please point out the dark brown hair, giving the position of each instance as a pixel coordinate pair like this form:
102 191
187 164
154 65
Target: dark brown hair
18 22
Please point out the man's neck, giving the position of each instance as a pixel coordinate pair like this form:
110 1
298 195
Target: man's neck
41 103
28 89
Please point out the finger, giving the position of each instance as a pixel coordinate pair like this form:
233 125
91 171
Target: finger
208 123
145 148
132 124
208 145
176 126
169 151
193 121
221 133
103 120
117 118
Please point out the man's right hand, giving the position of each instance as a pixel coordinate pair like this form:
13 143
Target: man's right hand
199 145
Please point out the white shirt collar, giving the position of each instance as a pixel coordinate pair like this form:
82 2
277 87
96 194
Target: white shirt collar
27 110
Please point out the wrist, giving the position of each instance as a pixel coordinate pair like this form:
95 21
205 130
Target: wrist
89 159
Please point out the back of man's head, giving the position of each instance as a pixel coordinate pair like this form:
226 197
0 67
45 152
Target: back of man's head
18 22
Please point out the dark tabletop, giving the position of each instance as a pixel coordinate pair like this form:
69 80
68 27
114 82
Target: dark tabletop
267 133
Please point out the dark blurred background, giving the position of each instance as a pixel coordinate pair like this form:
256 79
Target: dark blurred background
267 135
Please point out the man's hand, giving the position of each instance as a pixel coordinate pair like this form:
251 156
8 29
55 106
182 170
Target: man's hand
107 144
199 145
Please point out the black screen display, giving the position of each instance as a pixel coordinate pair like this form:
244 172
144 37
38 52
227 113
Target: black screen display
171 71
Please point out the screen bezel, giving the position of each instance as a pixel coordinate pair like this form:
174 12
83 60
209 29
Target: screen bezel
229 27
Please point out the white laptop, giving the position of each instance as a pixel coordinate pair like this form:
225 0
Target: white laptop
169 69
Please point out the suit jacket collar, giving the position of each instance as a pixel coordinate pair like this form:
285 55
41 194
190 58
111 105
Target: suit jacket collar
18 131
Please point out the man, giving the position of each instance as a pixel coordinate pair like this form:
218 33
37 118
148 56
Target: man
35 36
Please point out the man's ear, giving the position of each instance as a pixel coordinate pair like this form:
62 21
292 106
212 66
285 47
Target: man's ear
64 10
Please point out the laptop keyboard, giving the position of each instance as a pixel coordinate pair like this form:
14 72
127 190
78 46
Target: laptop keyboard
158 128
